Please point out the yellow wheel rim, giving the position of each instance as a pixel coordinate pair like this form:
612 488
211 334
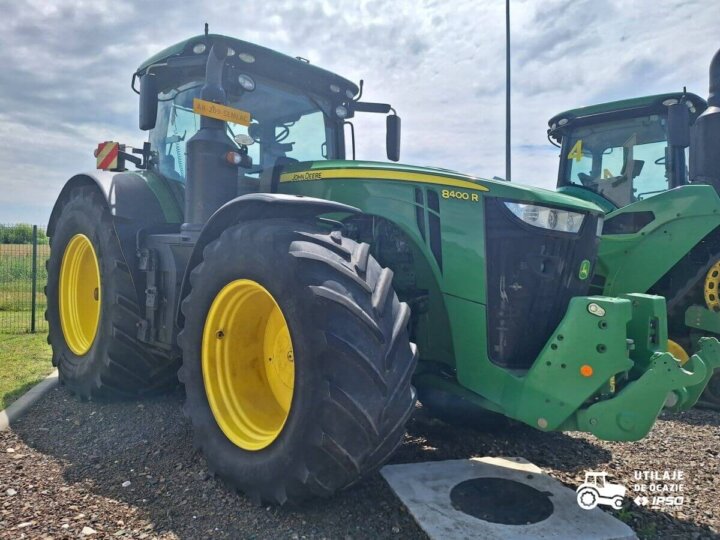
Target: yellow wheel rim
712 287
79 296
678 352
247 364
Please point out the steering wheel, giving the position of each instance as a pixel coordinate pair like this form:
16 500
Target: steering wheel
586 179
254 132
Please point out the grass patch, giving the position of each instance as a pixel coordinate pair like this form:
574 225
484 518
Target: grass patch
24 361
16 287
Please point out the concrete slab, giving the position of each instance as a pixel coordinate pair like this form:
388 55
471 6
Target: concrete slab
425 488
24 402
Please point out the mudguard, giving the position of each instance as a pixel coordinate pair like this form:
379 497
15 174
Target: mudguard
137 201
250 207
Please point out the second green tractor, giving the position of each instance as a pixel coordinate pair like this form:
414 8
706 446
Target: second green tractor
653 164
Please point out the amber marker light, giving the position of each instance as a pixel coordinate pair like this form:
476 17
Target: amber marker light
586 370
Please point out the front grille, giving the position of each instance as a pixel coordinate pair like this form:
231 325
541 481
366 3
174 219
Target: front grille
532 274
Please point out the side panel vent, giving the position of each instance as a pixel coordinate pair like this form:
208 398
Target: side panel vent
420 211
434 222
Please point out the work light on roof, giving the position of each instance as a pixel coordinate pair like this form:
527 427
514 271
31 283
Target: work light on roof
246 57
334 88
246 82
199 48
341 111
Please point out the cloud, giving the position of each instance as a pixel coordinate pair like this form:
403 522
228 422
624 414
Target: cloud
65 69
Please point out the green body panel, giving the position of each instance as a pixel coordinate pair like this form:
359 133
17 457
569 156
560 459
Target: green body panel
588 195
635 262
553 394
702 319
170 199
444 177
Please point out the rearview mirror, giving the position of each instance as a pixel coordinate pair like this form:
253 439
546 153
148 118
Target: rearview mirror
148 101
392 137
678 125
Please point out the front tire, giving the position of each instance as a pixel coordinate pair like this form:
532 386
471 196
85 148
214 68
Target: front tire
334 413
92 308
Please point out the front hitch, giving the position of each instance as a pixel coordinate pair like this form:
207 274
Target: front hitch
631 413
606 370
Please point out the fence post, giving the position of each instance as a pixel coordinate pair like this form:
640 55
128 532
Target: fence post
34 278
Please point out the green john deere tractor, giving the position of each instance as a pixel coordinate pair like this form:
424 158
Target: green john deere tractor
662 227
290 285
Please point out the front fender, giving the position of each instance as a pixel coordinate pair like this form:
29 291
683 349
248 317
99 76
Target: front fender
251 207
681 218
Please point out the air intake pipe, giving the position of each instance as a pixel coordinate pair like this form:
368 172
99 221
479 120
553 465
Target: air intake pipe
211 180
705 135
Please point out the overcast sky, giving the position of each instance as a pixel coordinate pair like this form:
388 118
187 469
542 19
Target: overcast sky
65 70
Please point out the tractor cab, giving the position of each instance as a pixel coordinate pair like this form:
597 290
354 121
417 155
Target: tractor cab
618 153
277 110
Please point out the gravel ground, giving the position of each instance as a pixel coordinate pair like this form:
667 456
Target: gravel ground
70 469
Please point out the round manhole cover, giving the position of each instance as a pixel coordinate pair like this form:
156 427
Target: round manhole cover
501 501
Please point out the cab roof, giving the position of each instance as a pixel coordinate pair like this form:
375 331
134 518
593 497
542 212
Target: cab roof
625 108
264 58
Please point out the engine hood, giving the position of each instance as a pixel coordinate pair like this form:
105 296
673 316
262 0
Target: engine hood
383 171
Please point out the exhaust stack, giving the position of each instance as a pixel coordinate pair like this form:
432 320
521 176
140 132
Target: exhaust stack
705 135
211 180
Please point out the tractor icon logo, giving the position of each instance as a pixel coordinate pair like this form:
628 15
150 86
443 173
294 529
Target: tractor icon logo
597 490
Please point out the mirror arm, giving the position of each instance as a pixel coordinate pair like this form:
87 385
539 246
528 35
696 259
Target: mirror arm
140 162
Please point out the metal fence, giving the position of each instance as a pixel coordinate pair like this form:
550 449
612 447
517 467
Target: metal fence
23 252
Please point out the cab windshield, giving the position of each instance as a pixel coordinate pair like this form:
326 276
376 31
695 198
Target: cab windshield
624 160
286 127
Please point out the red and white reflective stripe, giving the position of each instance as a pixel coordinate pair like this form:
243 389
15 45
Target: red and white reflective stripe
107 155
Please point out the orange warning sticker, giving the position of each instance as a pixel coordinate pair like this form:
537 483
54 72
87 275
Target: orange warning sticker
221 112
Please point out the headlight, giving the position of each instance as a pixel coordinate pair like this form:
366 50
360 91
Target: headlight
547 218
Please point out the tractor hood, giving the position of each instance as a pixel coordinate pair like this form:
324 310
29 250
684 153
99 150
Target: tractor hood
383 171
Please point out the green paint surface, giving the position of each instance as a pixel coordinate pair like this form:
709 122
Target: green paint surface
552 394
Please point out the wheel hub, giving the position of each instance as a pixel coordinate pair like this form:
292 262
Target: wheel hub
712 287
79 295
678 352
248 364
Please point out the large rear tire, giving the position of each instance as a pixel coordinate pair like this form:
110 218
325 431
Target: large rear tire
296 360
92 308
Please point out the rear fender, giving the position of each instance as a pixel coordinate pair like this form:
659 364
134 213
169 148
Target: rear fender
252 207
136 201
